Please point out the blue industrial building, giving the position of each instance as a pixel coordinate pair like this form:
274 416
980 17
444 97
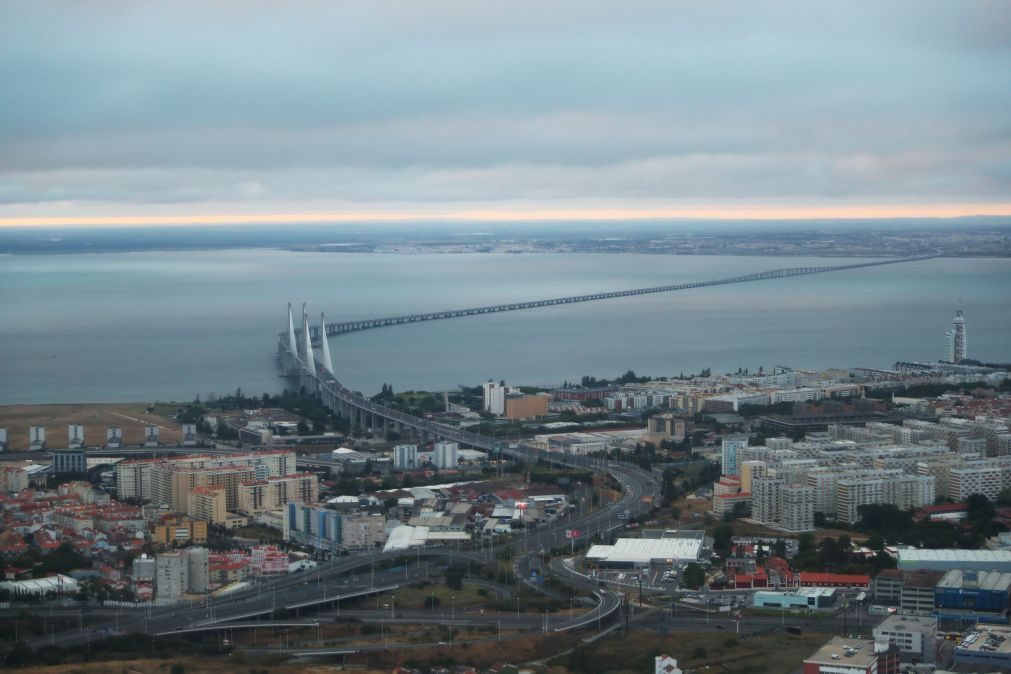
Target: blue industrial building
975 591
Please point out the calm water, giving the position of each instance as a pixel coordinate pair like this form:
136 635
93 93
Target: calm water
146 326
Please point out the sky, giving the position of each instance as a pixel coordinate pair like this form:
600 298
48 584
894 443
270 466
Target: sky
124 113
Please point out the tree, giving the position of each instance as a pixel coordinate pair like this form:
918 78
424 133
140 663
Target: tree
723 536
302 427
779 548
694 576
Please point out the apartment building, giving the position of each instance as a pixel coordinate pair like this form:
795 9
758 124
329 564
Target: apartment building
207 503
325 529
987 477
258 496
881 486
797 513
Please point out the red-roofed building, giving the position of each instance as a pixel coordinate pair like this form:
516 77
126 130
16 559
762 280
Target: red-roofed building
855 581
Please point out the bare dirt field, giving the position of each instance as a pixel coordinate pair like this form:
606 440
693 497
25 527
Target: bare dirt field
131 417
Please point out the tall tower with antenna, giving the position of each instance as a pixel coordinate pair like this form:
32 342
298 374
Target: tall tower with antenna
955 342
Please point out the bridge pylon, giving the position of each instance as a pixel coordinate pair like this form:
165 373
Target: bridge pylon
309 362
327 362
292 344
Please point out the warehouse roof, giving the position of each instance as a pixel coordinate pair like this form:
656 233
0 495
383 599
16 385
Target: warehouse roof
985 580
912 555
644 550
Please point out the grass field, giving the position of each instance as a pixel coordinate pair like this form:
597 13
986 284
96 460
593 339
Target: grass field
131 417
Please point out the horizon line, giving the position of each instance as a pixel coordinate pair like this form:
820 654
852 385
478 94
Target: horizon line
893 212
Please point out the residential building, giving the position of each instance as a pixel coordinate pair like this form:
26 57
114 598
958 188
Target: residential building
36 438
798 508
273 493
494 397
208 503
172 578
198 561
766 504
325 529
730 446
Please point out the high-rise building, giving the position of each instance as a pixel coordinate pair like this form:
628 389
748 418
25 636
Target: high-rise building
405 457
444 454
732 444
172 574
955 342
798 508
325 529
258 496
75 436
494 397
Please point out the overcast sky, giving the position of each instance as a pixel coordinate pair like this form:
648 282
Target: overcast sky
479 109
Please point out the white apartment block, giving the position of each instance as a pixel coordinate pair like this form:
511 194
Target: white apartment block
797 512
881 487
987 477
494 397
133 479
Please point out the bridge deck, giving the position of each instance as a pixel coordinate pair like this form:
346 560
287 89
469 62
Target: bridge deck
366 324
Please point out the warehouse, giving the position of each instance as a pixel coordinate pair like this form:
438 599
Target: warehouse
628 553
978 591
913 559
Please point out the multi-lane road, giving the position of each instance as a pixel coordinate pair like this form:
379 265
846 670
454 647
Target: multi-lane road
320 591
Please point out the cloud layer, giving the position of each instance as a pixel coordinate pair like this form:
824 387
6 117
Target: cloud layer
162 108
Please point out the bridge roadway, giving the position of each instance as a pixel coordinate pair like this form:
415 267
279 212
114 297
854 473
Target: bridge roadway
355 326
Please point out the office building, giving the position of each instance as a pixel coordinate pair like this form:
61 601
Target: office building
180 530
445 455
405 457
526 407
916 636
69 461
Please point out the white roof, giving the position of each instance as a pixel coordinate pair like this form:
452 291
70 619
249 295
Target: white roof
58 583
403 537
954 555
344 499
644 550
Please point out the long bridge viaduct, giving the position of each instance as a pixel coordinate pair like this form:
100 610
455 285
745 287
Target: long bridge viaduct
354 326
295 352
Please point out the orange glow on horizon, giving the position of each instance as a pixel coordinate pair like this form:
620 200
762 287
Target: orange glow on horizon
526 215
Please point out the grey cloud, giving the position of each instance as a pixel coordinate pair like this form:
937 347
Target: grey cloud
357 101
